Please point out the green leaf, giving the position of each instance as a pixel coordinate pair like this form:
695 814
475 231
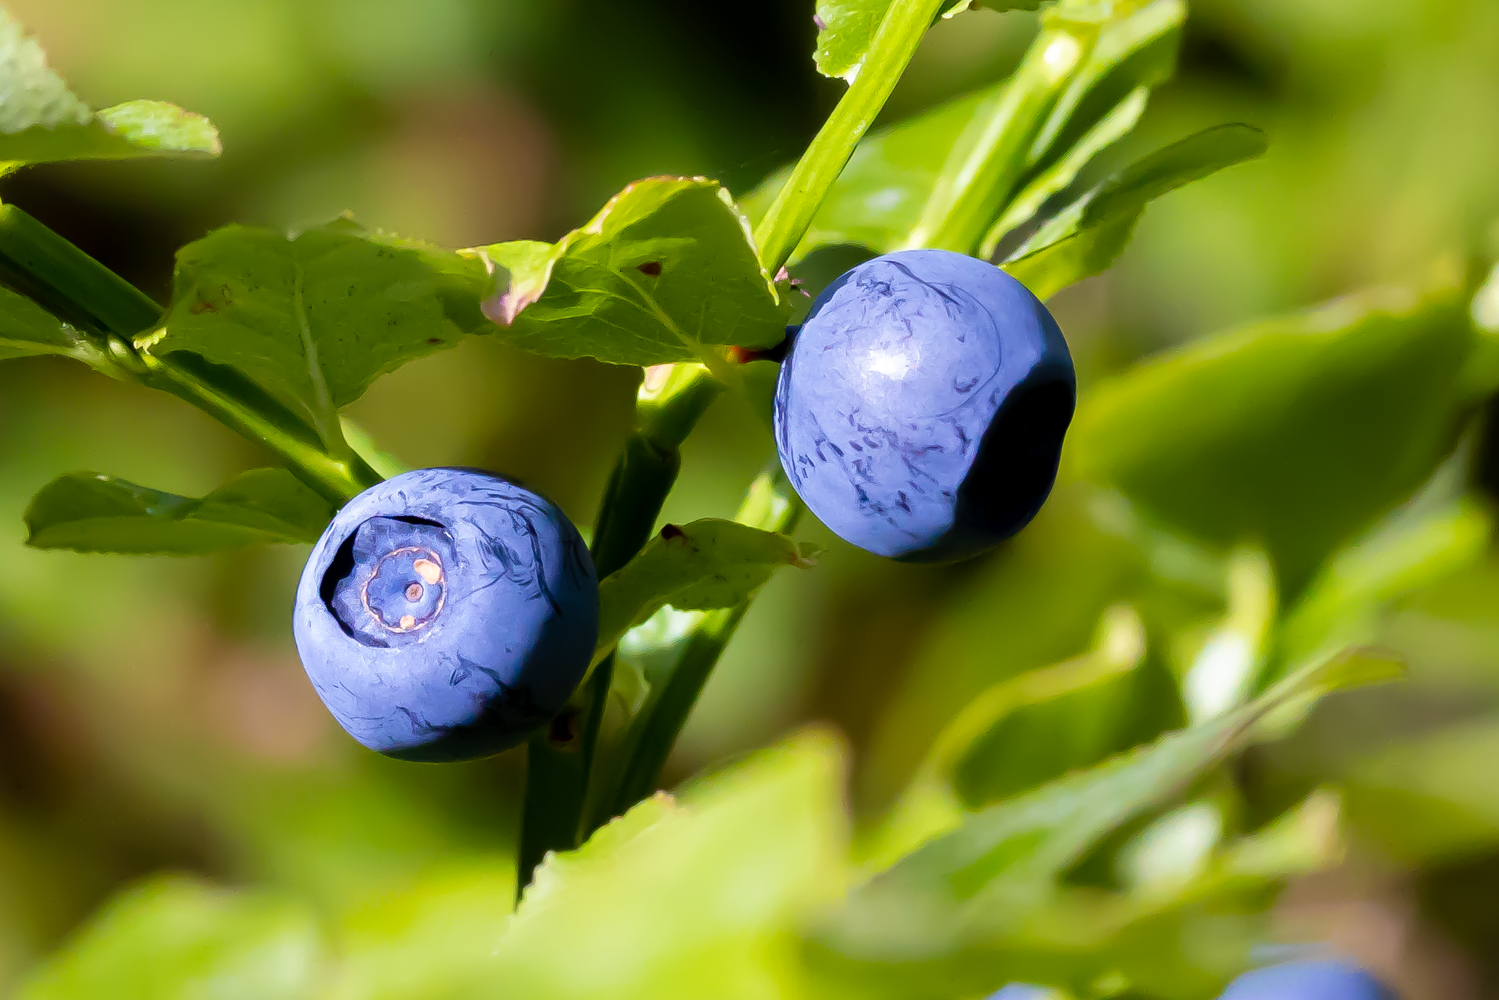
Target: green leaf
1019 733
1410 550
27 329
93 513
312 320
1295 432
846 28
1430 798
995 878
179 939
1087 236
41 121
707 564
691 897
664 271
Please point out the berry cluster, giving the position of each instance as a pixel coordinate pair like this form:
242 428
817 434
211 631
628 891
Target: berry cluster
446 613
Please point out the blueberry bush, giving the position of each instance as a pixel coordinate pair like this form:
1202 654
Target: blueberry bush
1157 584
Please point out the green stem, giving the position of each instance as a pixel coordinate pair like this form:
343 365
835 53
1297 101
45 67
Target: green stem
559 763
772 505
797 203
79 290
68 282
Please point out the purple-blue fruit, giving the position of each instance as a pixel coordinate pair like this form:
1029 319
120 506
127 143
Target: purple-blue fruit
1323 980
921 409
446 613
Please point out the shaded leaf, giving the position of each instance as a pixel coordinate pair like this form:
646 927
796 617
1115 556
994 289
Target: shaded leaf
94 513
661 274
1085 237
41 121
177 939
707 564
312 320
1295 432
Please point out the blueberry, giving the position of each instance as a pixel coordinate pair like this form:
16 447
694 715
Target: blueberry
1320 980
921 409
446 613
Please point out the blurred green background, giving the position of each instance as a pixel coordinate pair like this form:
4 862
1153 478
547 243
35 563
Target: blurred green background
153 715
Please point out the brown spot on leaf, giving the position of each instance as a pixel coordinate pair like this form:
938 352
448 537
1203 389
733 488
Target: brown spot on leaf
650 267
671 531
434 340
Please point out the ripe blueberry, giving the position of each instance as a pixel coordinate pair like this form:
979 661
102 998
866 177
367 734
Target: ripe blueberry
921 409
446 613
1322 980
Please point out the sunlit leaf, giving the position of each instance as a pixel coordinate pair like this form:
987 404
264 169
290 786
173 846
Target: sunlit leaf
690 897
706 564
845 29
94 513
664 272
41 121
312 320
176 939
28 329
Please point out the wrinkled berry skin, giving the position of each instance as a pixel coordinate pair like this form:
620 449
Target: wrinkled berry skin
921 409
446 613
1321 980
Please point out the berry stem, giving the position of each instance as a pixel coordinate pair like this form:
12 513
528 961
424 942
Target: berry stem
771 504
671 400
112 312
559 763
797 203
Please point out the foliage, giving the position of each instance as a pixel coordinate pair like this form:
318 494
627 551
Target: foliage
1236 520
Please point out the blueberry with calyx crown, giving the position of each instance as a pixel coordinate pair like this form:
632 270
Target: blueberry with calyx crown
921 408
445 614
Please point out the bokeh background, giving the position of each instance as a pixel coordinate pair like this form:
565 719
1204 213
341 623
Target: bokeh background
153 715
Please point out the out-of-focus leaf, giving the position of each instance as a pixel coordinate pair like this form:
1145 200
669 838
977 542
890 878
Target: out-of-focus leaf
845 29
94 513
687 898
1434 797
175 939
1294 432
665 270
41 121
1037 602
1341 604
1086 236
709 563
1019 733
429 941
28 329
1225 669
994 879
313 320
